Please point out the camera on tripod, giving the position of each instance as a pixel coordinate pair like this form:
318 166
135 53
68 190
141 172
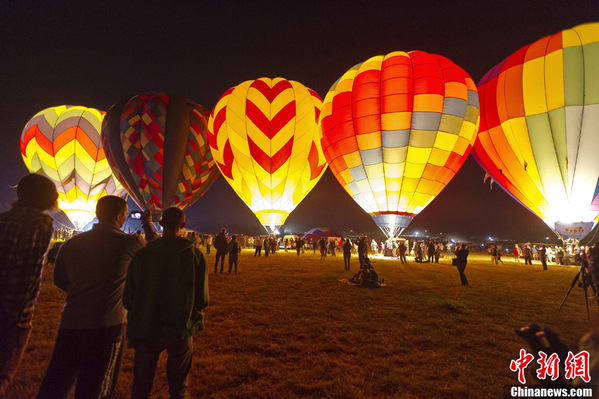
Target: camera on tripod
584 281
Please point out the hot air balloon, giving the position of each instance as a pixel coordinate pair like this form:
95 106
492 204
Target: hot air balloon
63 143
157 148
396 129
264 138
539 133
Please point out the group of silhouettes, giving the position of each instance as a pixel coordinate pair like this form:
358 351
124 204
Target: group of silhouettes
152 289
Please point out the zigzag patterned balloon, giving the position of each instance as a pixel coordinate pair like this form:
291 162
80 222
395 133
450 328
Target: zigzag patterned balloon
264 137
63 143
157 148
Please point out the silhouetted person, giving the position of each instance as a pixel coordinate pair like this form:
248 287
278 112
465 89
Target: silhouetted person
543 257
258 246
234 250
430 251
221 246
402 252
91 268
323 248
165 294
462 259
362 248
347 253
25 233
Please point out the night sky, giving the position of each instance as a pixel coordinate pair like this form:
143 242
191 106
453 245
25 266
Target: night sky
95 54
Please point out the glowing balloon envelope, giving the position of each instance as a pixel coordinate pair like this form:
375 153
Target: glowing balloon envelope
264 137
63 143
156 145
396 129
539 131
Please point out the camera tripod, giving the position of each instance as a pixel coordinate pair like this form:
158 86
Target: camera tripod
584 282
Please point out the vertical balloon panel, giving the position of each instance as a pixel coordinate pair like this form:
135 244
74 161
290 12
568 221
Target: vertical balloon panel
396 129
539 132
157 146
63 143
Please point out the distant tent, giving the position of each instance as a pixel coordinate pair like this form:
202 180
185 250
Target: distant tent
320 232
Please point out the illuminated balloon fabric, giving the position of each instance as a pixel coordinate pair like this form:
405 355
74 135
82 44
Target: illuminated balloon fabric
539 133
264 137
63 143
157 148
396 129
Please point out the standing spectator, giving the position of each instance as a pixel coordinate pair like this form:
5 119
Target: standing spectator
165 293
298 245
362 248
559 257
402 252
25 233
208 243
516 253
437 253
430 250
221 245
234 250
527 254
333 244
543 256
494 253
273 244
347 245
258 245
461 261
267 245
91 268
323 248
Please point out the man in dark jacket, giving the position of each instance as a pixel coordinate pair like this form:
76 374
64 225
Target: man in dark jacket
347 253
165 293
234 250
91 268
221 245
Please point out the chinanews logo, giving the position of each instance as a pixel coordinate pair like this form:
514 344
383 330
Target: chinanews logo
575 366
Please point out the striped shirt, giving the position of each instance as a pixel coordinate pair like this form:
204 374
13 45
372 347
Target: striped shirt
24 237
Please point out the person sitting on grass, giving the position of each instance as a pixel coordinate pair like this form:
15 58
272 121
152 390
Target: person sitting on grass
366 276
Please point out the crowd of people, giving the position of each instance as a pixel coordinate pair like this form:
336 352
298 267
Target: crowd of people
138 286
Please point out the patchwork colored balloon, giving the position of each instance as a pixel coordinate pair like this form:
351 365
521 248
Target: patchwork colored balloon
264 137
63 143
156 145
396 129
539 131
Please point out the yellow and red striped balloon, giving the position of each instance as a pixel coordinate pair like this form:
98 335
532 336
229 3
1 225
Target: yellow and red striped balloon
264 137
396 129
63 143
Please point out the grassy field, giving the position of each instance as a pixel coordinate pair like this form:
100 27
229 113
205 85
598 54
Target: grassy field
284 327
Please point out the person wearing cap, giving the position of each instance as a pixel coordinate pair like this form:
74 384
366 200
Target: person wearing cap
91 268
25 233
165 293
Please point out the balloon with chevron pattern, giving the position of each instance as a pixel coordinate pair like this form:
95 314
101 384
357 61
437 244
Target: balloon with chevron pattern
63 143
264 138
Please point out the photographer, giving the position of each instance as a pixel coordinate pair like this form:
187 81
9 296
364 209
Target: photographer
461 261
